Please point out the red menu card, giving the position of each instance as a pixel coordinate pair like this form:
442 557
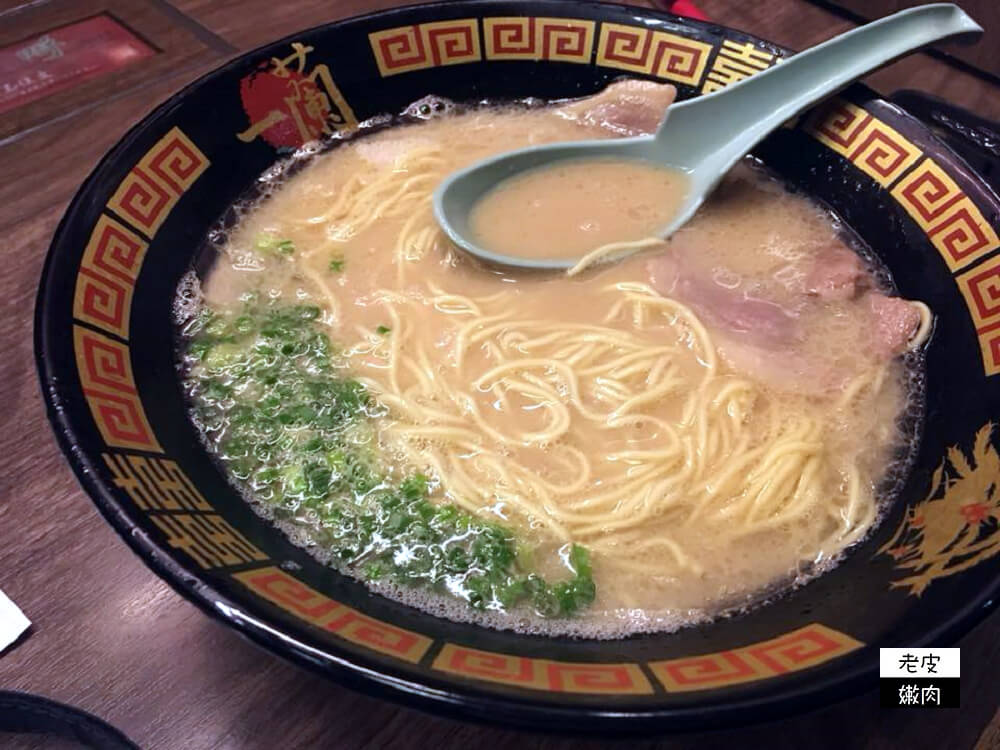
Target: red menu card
65 57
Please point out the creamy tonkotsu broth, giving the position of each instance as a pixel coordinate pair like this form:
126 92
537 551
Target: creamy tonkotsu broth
636 447
573 208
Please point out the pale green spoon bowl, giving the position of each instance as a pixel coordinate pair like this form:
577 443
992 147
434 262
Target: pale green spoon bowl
705 136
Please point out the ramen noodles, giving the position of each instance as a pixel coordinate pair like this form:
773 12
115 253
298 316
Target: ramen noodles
639 445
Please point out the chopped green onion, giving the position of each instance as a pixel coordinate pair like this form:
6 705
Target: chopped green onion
286 423
267 242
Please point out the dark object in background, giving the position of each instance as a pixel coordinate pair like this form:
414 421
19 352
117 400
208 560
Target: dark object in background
984 56
33 714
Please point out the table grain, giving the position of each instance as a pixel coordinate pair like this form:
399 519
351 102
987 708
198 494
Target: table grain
110 637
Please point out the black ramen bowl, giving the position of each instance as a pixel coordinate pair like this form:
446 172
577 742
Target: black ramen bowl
104 332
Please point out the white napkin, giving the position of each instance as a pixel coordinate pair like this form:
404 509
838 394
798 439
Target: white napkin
12 622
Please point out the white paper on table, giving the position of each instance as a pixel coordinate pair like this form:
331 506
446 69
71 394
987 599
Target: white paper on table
12 622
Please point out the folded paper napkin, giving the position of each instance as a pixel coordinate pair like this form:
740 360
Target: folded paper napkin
12 622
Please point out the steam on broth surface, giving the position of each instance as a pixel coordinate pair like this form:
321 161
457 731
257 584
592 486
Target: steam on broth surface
636 447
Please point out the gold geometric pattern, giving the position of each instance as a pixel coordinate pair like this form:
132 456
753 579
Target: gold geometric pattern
542 674
955 527
981 289
108 270
108 386
927 193
293 596
837 124
792 652
872 146
989 348
951 220
882 153
520 38
105 285
655 53
153 186
426 45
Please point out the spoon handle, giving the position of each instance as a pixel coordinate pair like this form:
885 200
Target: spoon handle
735 118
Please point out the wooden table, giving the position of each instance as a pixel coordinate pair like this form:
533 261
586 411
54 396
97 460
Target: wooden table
112 638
